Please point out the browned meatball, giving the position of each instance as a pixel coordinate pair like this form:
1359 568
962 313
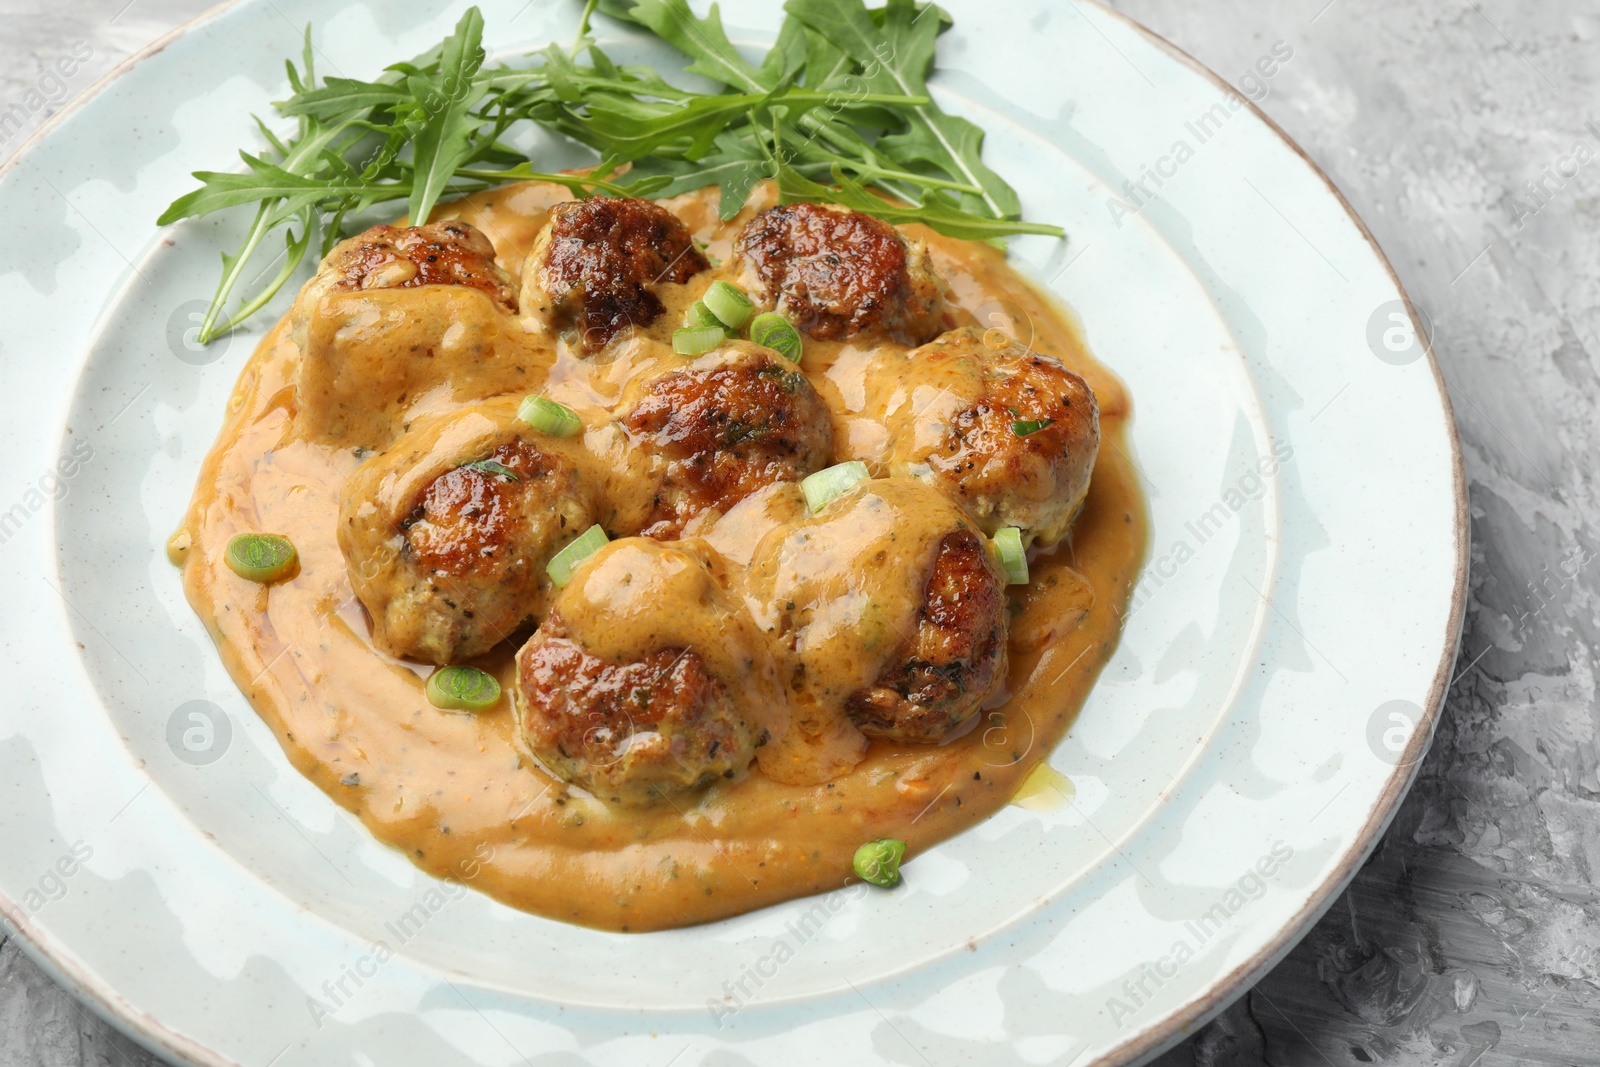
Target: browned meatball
837 273
594 267
441 253
889 613
393 315
1013 437
471 516
943 673
732 422
647 678
447 535
629 732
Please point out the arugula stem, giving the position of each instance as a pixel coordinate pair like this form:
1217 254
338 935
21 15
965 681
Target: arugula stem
875 173
583 27
233 269
521 174
296 252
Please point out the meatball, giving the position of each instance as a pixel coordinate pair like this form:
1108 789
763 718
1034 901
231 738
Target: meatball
1013 436
734 421
942 675
393 315
447 535
647 679
837 273
892 615
405 257
629 732
596 264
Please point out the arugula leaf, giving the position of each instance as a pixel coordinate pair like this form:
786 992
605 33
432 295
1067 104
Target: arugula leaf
897 58
702 40
787 57
827 65
706 44
841 96
305 156
937 211
339 96
265 181
294 255
447 98
634 130
734 167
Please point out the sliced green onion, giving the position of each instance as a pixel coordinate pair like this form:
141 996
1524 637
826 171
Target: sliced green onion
462 689
821 488
698 317
878 861
489 466
563 563
728 303
547 416
1024 427
261 557
1008 542
773 331
697 341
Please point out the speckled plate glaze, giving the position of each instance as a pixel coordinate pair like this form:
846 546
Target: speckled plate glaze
1278 679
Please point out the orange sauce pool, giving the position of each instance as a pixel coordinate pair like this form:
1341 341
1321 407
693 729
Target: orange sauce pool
457 792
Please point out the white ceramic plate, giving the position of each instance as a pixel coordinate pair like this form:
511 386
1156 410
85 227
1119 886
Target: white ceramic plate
1275 685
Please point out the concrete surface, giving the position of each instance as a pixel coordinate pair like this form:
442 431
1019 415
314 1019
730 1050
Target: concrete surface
1467 134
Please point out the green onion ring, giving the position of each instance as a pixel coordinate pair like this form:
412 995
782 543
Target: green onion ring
728 303
697 341
259 557
823 487
549 417
462 689
1013 557
772 330
563 563
699 317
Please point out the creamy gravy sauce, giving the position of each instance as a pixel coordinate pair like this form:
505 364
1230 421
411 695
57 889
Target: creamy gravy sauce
457 793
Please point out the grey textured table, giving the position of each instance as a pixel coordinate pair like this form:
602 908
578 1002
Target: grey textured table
1455 128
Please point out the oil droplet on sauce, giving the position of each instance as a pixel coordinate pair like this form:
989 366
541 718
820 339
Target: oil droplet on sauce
178 547
1044 789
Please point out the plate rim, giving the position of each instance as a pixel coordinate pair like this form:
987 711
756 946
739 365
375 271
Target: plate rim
156 1036
80 983
1226 988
